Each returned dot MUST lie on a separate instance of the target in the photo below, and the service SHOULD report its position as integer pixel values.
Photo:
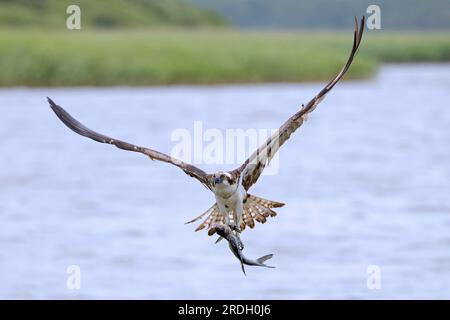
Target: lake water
(366, 182)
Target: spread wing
(252, 168)
(79, 128)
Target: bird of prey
(234, 206)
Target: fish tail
(263, 259)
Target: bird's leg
(238, 216)
(233, 226)
(226, 216)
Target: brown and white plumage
(255, 208)
(234, 206)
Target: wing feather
(252, 168)
(79, 128)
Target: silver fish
(236, 246)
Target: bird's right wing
(252, 168)
(79, 128)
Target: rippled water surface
(366, 182)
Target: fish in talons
(236, 246)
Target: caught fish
(236, 246)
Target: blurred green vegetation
(154, 42)
(105, 14)
(405, 15)
(166, 57)
(143, 57)
(409, 47)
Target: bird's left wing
(79, 128)
(252, 168)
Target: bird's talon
(232, 226)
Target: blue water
(366, 182)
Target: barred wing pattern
(79, 128)
(252, 168)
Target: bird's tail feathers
(255, 208)
(259, 209)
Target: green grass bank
(157, 57)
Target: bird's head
(223, 178)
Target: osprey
(234, 206)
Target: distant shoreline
(161, 57)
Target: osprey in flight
(234, 206)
